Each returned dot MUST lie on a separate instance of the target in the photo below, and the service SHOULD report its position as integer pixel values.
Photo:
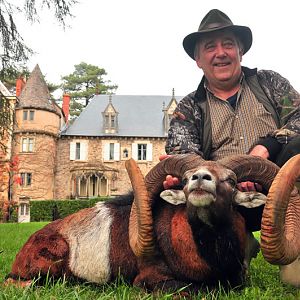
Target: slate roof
(35, 93)
(138, 116)
(4, 91)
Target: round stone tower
(37, 123)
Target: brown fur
(46, 251)
(125, 262)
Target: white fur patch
(174, 197)
(250, 199)
(89, 242)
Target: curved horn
(141, 225)
(280, 235)
(256, 169)
(251, 168)
(175, 165)
(141, 222)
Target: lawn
(263, 282)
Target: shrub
(49, 210)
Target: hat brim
(243, 33)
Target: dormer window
(110, 118)
(112, 121)
(106, 124)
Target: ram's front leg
(155, 275)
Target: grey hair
(196, 49)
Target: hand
(248, 186)
(164, 156)
(261, 151)
(170, 180)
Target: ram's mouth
(201, 197)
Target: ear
(198, 63)
(174, 197)
(250, 199)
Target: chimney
(66, 106)
(19, 85)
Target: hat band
(214, 25)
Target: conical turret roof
(35, 93)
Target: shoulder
(276, 84)
(188, 101)
(271, 77)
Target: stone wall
(40, 163)
(95, 161)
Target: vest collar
(200, 95)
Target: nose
(202, 176)
(220, 50)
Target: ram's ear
(250, 199)
(174, 197)
(251, 206)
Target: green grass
(263, 282)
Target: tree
(6, 119)
(86, 81)
(11, 76)
(13, 50)
(9, 205)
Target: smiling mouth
(222, 65)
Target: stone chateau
(48, 158)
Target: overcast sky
(139, 43)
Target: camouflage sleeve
(285, 98)
(184, 132)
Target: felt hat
(216, 20)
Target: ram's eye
(231, 181)
(184, 181)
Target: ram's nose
(202, 179)
(202, 176)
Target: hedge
(49, 210)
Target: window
(26, 179)
(25, 114)
(31, 115)
(28, 115)
(78, 150)
(27, 144)
(112, 121)
(111, 151)
(24, 209)
(107, 121)
(142, 151)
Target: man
(235, 110)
